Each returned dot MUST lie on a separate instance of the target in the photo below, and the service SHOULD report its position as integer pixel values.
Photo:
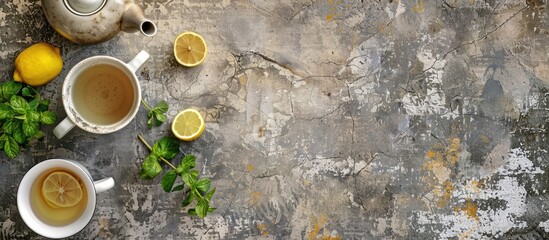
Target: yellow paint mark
(333, 12)
(474, 186)
(261, 132)
(330, 237)
(243, 80)
(445, 194)
(419, 7)
(318, 224)
(250, 167)
(484, 139)
(255, 197)
(263, 229)
(470, 209)
(431, 154)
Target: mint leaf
(167, 147)
(39, 135)
(188, 200)
(168, 180)
(19, 104)
(8, 89)
(30, 128)
(11, 147)
(210, 194)
(178, 188)
(47, 117)
(203, 185)
(162, 107)
(190, 178)
(160, 118)
(11, 126)
(150, 167)
(5, 111)
(192, 211)
(28, 91)
(19, 136)
(187, 163)
(43, 105)
(32, 115)
(202, 208)
(151, 118)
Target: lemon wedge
(61, 189)
(190, 49)
(188, 125)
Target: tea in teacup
(103, 94)
(58, 197)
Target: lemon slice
(61, 189)
(188, 125)
(189, 49)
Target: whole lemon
(38, 64)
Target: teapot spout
(133, 20)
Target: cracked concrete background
(326, 119)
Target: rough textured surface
(325, 119)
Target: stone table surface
(325, 119)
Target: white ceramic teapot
(95, 21)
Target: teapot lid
(84, 7)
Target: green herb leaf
(167, 147)
(11, 126)
(8, 89)
(43, 105)
(47, 117)
(178, 188)
(11, 147)
(19, 136)
(156, 115)
(150, 167)
(160, 118)
(162, 107)
(30, 128)
(210, 194)
(192, 212)
(5, 111)
(19, 104)
(150, 121)
(32, 115)
(188, 200)
(168, 180)
(187, 163)
(203, 185)
(211, 209)
(190, 178)
(39, 135)
(202, 208)
(28, 91)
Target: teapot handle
(138, 60)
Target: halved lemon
(61, 189)
(190, 49)
(188, 125)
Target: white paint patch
(434, 100)
(544, 226)
(315, 168)
(507, 190)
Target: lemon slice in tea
(188, 125)
(61, 189)
(190, 49)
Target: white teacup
(28, 207)
(101, 94)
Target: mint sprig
(198, 189)
(22, 112)
(156, 115)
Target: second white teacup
(101, 94)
